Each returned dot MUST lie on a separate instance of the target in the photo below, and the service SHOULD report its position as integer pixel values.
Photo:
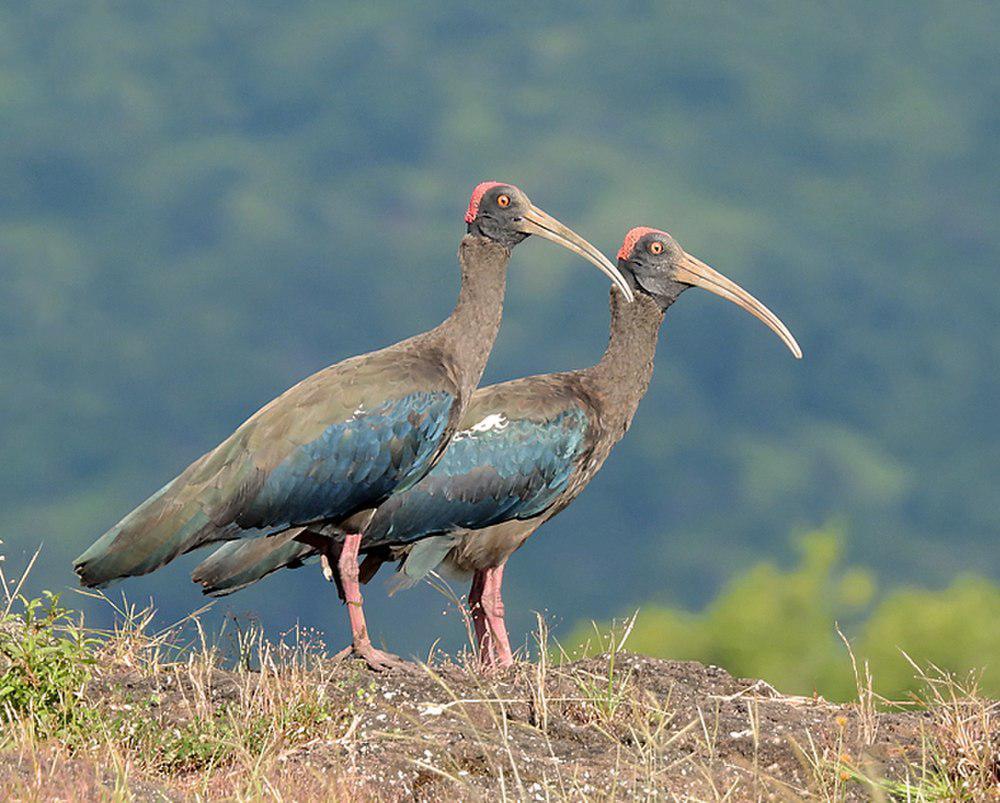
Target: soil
(664, 730)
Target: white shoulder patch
(494, 421)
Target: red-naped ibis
(329, 451)
(524, 450)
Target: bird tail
(156, 532)
(424, 557)
(241, 563)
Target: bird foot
(492, 667)
(377, 660)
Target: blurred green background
(202, 203)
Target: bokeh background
(201, 204)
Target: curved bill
(695, 272)
(535, 221)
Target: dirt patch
(651, 728)
(642, 728)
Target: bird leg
(347, 573)
(478, 614)
(488, 617)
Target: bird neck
(622, 376)
(469, 332)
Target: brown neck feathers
(469, 332)
(621, 378)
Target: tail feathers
(424, 557)
(156, 532)
(371, 564)
(239, 564)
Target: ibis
(524, 450)
(320, 460)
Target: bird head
(658, 267)
(503, 213)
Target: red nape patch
(477, 196)
(632, 238)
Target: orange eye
(656, 247)
(503, 201)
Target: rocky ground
(624, 728)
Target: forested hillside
(200, 204)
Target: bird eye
(655, 247)
(503, 201)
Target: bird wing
(338, 442)
(511, 458)
(237, 564)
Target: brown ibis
(322, 457)
(524, 450)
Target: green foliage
(780, 625)
(45, 660)
(956, 628)
(604, 695)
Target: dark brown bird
(524, 450)
(327, 453)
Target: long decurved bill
(535, 221)
(694, 271)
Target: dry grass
(162, 714)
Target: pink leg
(347, 571)
(486, 600)
(478, 614)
